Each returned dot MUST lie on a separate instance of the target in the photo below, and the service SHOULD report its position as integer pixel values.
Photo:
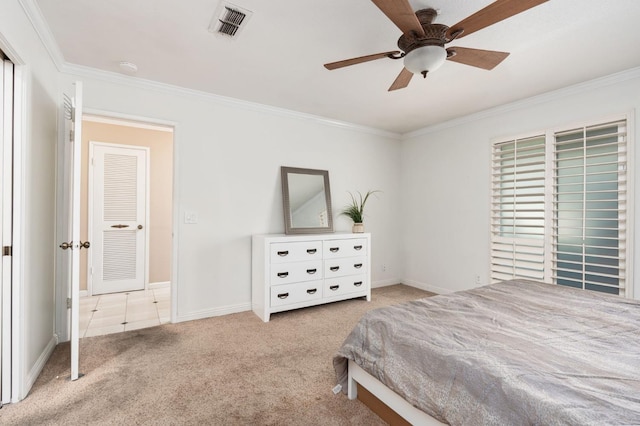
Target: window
(559, 208)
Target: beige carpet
(229, 370)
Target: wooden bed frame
(387, 404)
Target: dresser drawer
(345, 248)
(346, 266)
(285, 273)
(288, 294)
(296, 252)
(344, 285)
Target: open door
(6, 224)
(72, 244)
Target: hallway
(118, 312)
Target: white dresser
(296, 271)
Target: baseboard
(385, 283)
(150, 286)
(159, 284)
(426, 287)
(215, 312)
(38, 366)
(242, 307)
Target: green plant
(355, 210)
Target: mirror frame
(286, 201)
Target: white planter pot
(358, 228)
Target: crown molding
(38, 22)
(41, 27)
(140, 83)
(596, 83)
(33, 12)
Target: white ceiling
(277, 58)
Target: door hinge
(71, 135)
(7, 251)
(68, 303)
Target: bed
(515, 352)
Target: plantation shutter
(590, 244)
(518, 209)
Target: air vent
(228, 20)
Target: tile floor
(118, 312)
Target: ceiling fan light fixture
(425, 59)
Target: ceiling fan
(422, 42)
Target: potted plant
(355, 210)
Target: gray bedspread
(512, 353)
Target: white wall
(35, 278)
(446, 178)
(228, 159)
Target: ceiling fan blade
(401, 13)
(402, 80)
(495, 12)
(361, 59)
(486, 59)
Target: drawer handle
(312, 251)
(334, 287)
(334, 268)
(334, 249)
(357, 265)
(357, 247)
(283, 295)
(358, 283)
(283, 274)
(283, 253)
(312, 290)
(311, 271)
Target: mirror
(306, 198)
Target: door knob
(86, 244)
(139, 226)
(65, 246)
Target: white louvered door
(119, 194)
(72, 104)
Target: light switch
(190, 217)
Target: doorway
(125, 278)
